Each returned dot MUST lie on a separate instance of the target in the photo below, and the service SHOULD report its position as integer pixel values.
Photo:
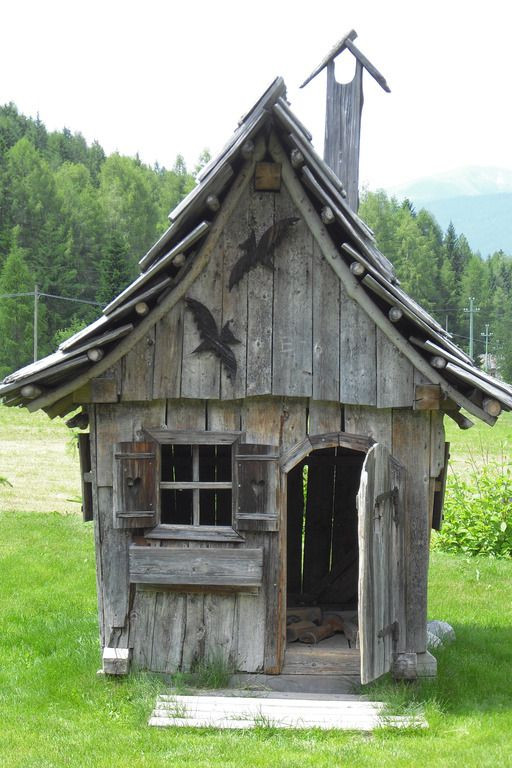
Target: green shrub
(478, 512)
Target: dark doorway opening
(322, 547)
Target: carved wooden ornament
(211, 339)
(261, 252)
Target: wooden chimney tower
(344, 105)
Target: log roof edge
(170, 260)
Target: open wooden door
(381, 602)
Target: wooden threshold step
(252, 712)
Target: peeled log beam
(95, 354)
(297, 158)
(491, 406)
(477, 380)
(335, 51)
(357, 269)
(213, 203)
(30, 391)
(460, 419)
(285, 108)
(327, 215)
(247, 149)
(373, 71)
(395, 314)
(142, 308)
(436, 361)
(80, 421)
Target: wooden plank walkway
(278, 710)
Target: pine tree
(16, 312)
(114, 269)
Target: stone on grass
(433, 641)
(442, 630)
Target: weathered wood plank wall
(300, 334)
(309, 361)
(172, 629)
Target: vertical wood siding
(300, 334)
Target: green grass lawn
(55, 711)
(480, 444)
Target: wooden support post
(116, 661)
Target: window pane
(214, 463)
(176, 507)
(215, 507)
(207, 507)
(207, 462)
(224, 463)
(177, 463)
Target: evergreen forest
(74, 222)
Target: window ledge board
(195, 533)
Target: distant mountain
(463, 182)
(477, 200)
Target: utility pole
(472, 310)
(37, 294)
(36, 309)
(486, 334)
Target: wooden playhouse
(262, 426)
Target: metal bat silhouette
(261, 252)
(211, 339)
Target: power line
(50, 296)
(36, 293)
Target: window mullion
(195, 478)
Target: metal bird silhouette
(211, 340)
(261, 252)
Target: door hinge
(391, 629)
(393, 495)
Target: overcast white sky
(160, 78)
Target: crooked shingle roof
(172, 256)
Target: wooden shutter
(256, 486)
(135, 485)
(84, 453)
(381, 563)
(439, 491)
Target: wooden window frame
(195, 530)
